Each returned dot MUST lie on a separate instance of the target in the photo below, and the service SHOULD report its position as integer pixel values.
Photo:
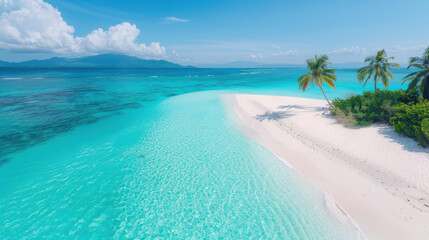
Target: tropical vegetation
(319, 74)
(407, 111)
(372, 107)
(378, 69)
(420, 79)
(412, 120)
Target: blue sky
(200, 32)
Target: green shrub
(347, 120)
(372, 107)
(410, 96)
(425, 128)
(412, 120)
(408, 114)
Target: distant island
(251, 64)
(111, 60)
(97, 61)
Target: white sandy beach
(377, 177)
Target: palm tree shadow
(291, 106)
(407, 143)
(301, 107)
(272, 115)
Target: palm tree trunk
(330, 104)
(375, 81)
(424, 89)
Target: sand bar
(377, 177)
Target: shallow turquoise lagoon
(138, 154)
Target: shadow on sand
(277, 115)
(407, 143)
(301, 107)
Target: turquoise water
(150, 153)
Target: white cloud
(409, 48)
(176, 57)
(34, 25)
(286, 53)
(175, 53)
(175, 19)
(256, 56)
(350, 50)
(120, 38)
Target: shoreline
(378, 178)
(329, 201)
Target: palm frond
(306, 84)
(410, 76)
(419, 79)
(329, 81)
(414, 82)
(303, 81)
(414, 79)
(362, 72)
(392, 65)
(384, 75)
(319, 73)
(378, 68)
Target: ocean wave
(11, 78)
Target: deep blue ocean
(138, 153)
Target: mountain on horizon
(108, 60)
(250, 64)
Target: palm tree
(421, 77)
(378, 67)
(318, 74)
